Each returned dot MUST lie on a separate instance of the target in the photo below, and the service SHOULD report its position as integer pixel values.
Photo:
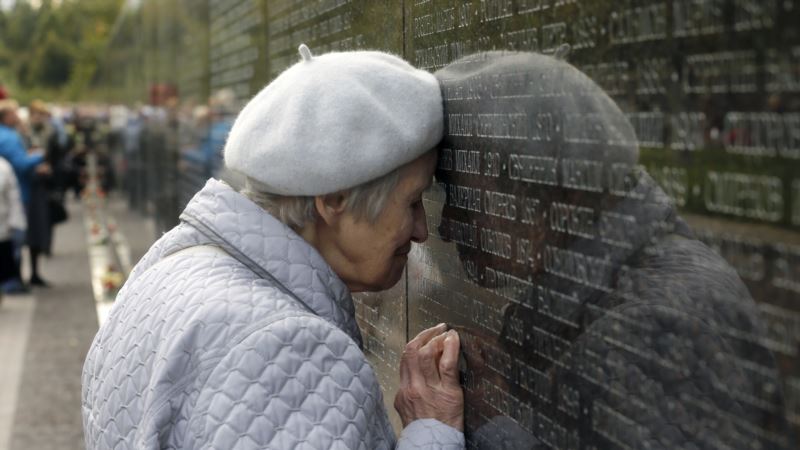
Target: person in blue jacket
(13, 150)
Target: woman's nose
(420, 233)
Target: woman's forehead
(419, 173)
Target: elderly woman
(237, 328)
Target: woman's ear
(330, 207)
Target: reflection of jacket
(673, 354)
(12, 216)
(619, 328)
(215, 348)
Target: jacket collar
(272, 250)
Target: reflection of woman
(620, 328)
(237, 329)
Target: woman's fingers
(410, 368)
(429, 356)
(448, 363)
(429, 386)
(405, 371)
(426, 335)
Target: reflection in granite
(236, 51)
(381, 317)
(591, 315)
(330, 25)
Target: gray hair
(365, 201)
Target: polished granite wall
(571, 201)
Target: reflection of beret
(548, 108)
(335, 121)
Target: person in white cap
(237, 330)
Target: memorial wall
(615, 220)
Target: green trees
(52, 49)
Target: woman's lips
(404, 250)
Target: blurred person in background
(45, 207)
(222, 106)
(131, 147)
(84, 138)
(12, 222)
(48, 132)
(25, 165)
(103, 141)
(117, 120)
(194, 130)
(212, 124)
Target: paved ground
(44, 337)
(15, 320)
(139, 233)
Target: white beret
(335, 121)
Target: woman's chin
(391, 281)
(387, 279)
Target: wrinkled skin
(429, 386)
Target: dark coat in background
(46, 205)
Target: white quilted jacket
(12, 214)
(233, 333)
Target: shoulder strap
(195, 250)
(233, 252)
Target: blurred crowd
(159, 154)
(164, 152)
(40, 159)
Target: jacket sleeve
(16, 155)
(297, 381)
(430, 434)
(301, 382)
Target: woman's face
(10, 118)
(373, 255)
